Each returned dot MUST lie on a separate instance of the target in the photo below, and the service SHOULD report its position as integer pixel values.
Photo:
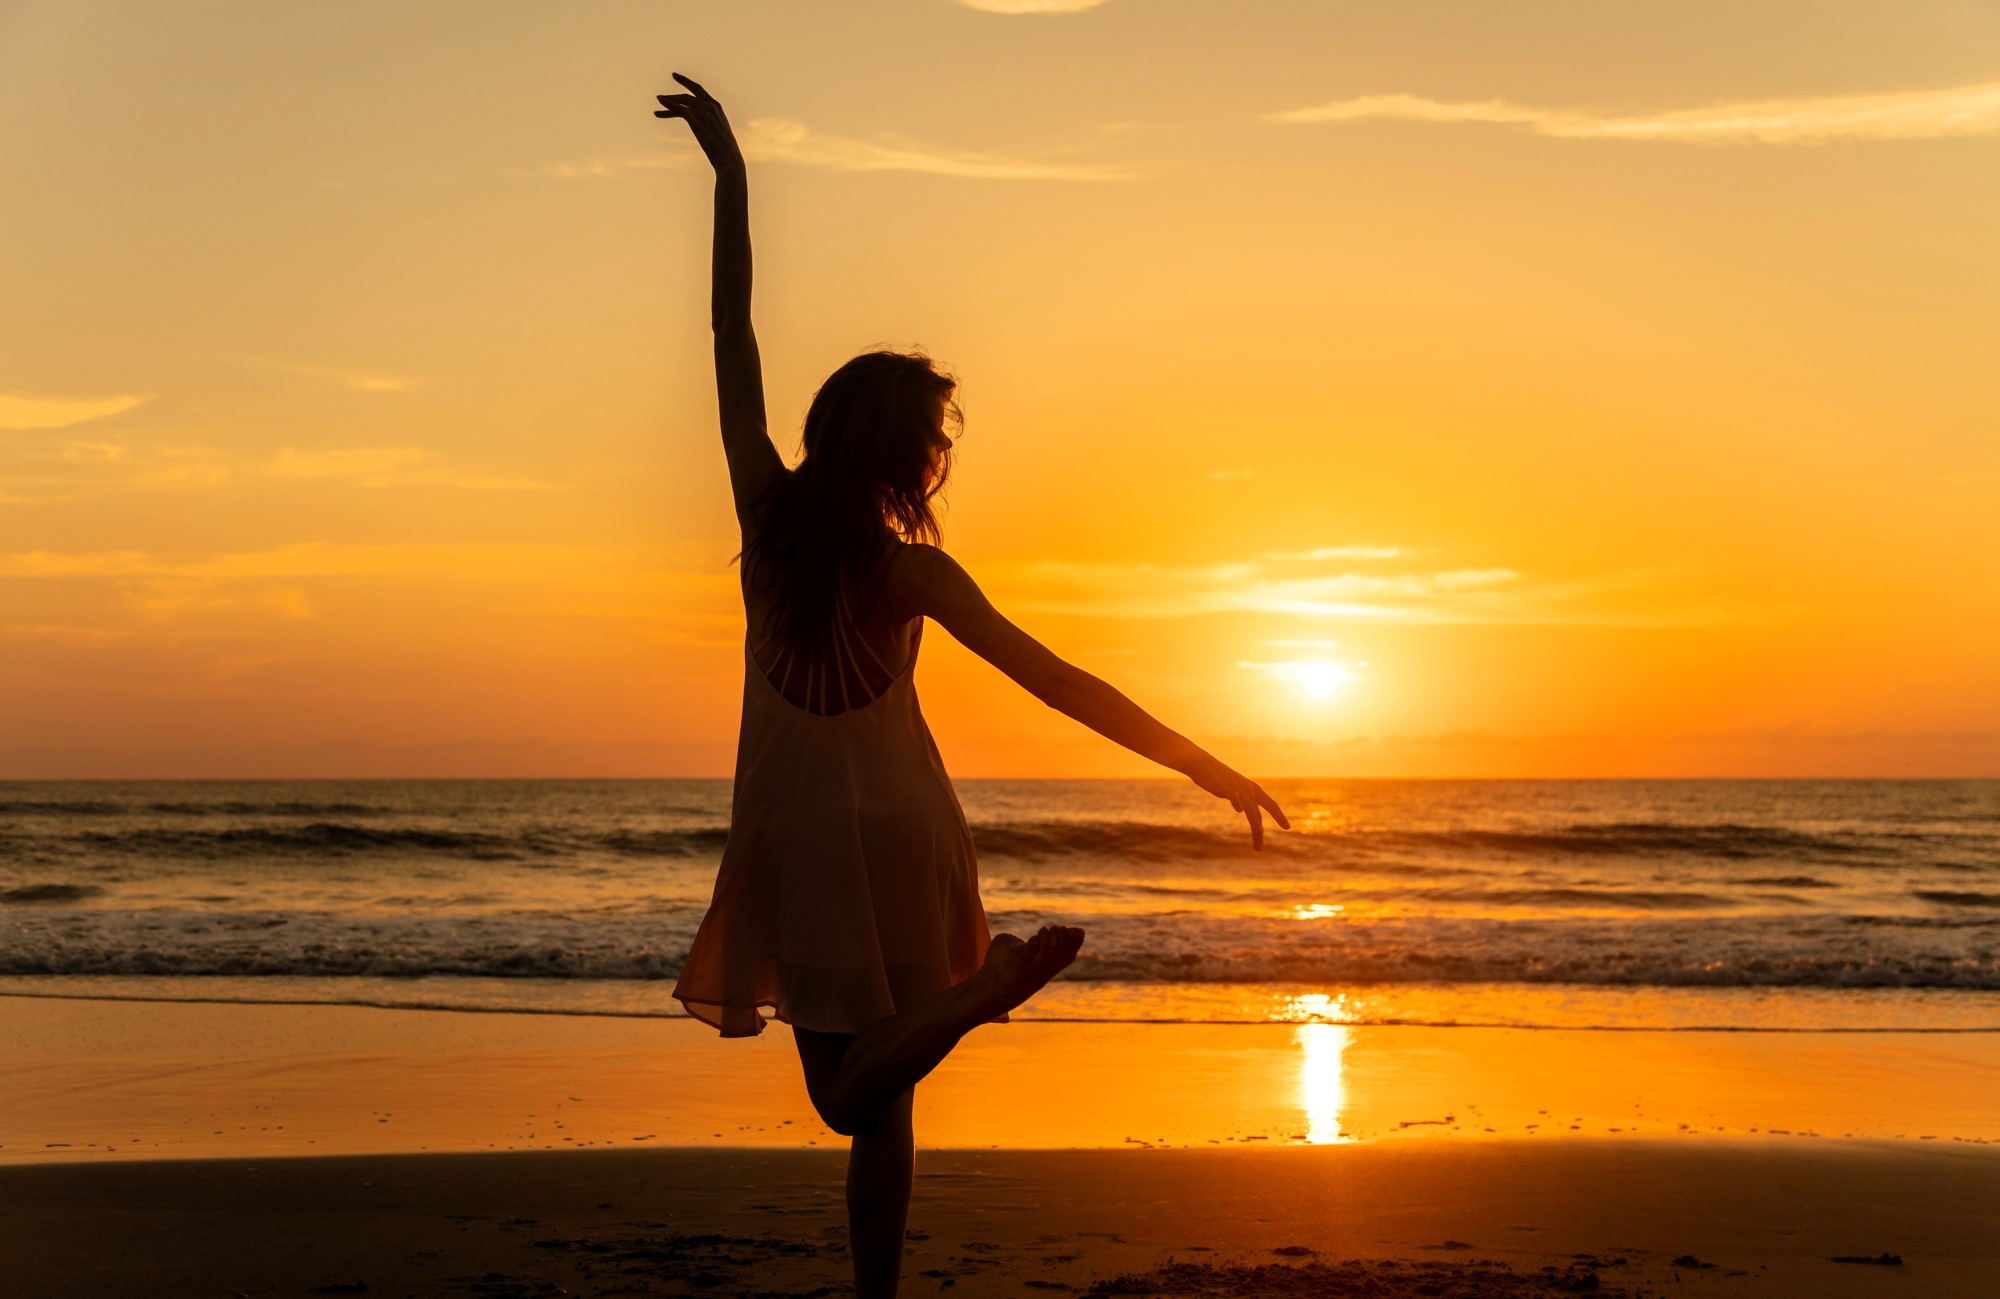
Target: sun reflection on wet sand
(152, 1080)
(1322, 1082)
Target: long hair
(876, 456)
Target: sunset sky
(1472, 389)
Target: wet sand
(119, 1080)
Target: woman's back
(864, 643)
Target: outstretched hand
(705, 118)
(1243, 793)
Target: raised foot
(1016, 970)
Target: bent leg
(852, 1078)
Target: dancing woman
(847, 900)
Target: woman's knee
(834, 1108)
(820, 1057)
(887, 1123)
(849, 1116)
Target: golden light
(1322, 1081)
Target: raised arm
(925, 580)
(754, 465)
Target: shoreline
(596, 1013)
(1528, 1006)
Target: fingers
(1252, 801)
(695, 86)
(704, 111)
(705, 118)
(1244, 796)
(1271, 804)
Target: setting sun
(1319, 678)
(1323, 678)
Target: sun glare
(1319, 678)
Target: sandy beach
(200, 1149)
(1486, 1218)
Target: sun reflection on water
(1322, 1082)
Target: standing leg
(881, 1165)
(863, 1086)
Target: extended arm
(927, 581)
(754, 465)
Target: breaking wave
(1026, 840)
(1819, 952)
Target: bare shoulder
(927, 582)
(922, 579)
(918, 561)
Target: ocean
(1750, 905)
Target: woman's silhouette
(847, 900)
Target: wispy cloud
(1031, 6)
(1899, 115)
(599, 167)
(312, 560)
(74, 471)
(77, 470)
(176, 599)
(1324, 585)
(1343, 552)
(21, 411)
(375, 466)
(356, 379)
(150, 595)
(1264, 586)
(160, 597)
(384, 467)
(777, 139)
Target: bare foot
(1016, 970)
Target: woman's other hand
(705, 118)
(1243, 793)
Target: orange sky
(1577, 389)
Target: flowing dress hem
(745, 1021)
